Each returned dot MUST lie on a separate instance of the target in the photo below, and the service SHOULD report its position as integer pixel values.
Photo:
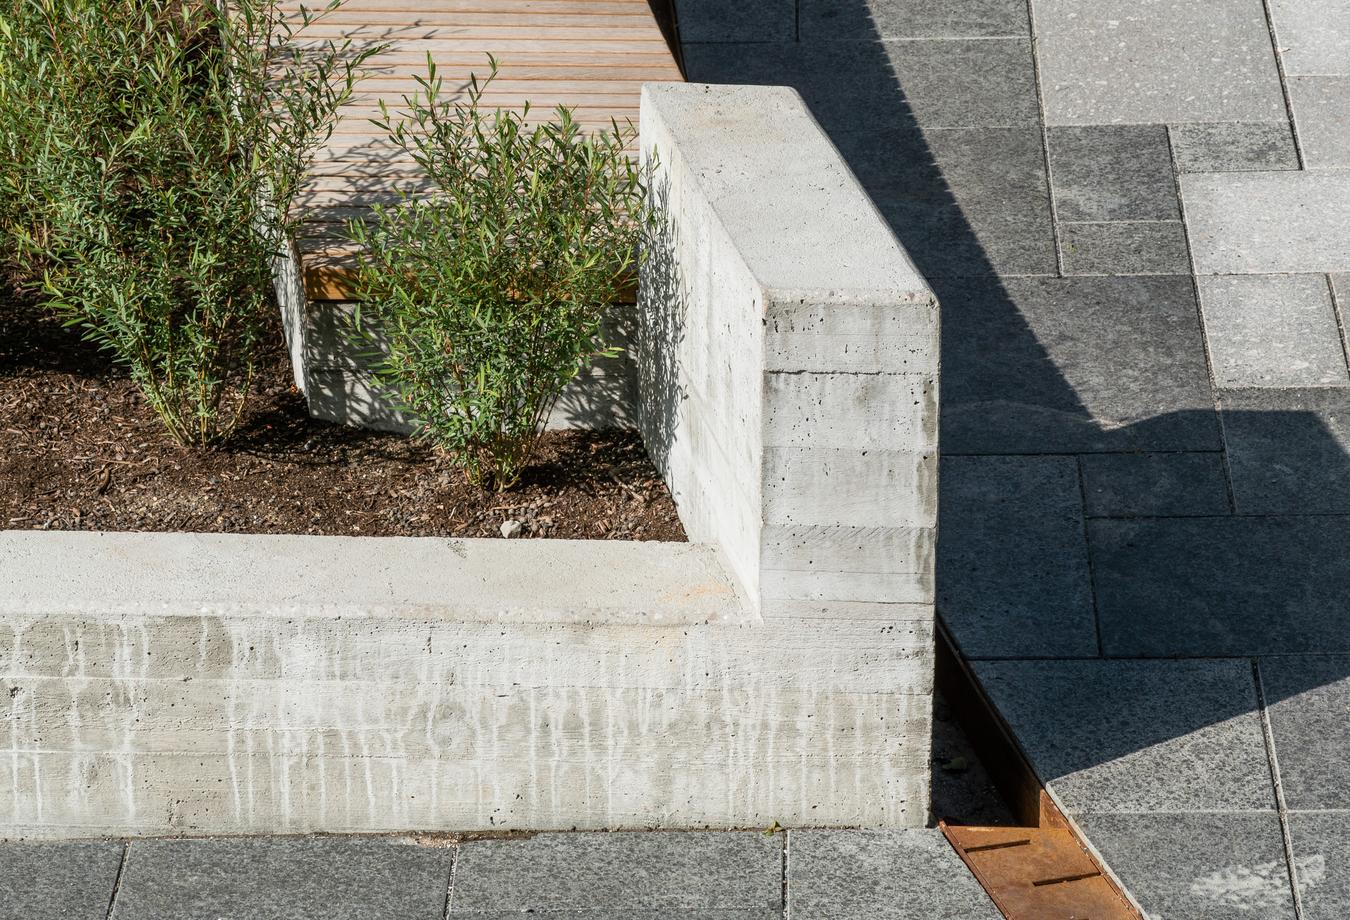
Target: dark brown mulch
(80, 450)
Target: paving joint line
(450, 882)
(1281, 806)
(117, 880)
(786, 855)
(1087, 552)
(1284, 85)
(1338, 312)
(1034, 46)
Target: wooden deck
(590, 55)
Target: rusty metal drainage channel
(1040, 869)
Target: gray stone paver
(323, 878)
(1221, 586)
(1321, 847)
(1268, 222)
(1152, 247)
(1229, 147)
(1153, 485)
(743, 21)
(639, 871)
(1171, 61)
(830, 20)
(1314, 35)
(1272, 331)
(1309, 704)
(1012, 562)
(1112, 172)
(1288, 449)
(57, 881)
(1138, 736)
(1322, 116)
(1198, 866)
(881, 875)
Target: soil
(81, 450)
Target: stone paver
(1124, 248)
(1062, 365)
(1221, 586)
(1138, 736)
(1113, 172)
(1309, 703)
(622, 871)
(1322, 116)
(300, 878)
(1288, 450)
(1198, 866)
(743, 21)
(1272, 331)
(1151, 485)
(1012, 562)
(1321, 846)
(1268, 222)
(57, 881)
(881, 875)
(1167, 61)
(1314, 35)
(1227, 147)
(830, 20)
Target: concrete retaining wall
(788, 354)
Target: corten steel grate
(1040, 869)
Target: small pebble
(511, 529)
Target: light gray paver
(1197, 866)
(301, 878)
(1313, 35)
(1340, 291)
(1150, 485)
(1322, 115)
(1170, 61)
(1222, 586)
(1151, 247)
(57, 881)
(1272, 331)
(1288, 450)
(867, 20)
(1308, 699)
(1321, 846)
(638, 871)
(1059, 365)
(1112, 172)
(1233, 147)
(881, 875)
(1012, 564)
(743, 21)
(1268, 222)
(1138, 736)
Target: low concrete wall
(788, 354)
(222, 702)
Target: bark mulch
(80, 450)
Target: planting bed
(82, 451)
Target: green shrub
(482, 300)
(155, 150)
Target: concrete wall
(788, 355)
(229, 688)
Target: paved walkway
(1133, 215)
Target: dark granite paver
(57, 881)
(1308, 698)
(1222, 586)
(1151, 485)
(831, 20)
(1012, 562)
(1227, 147)
(1138, 736)
(1113, 173)
(1150, 247)
(1198, 866)
(1321, 847)
(1066, 365)
(881, 875)
(1287, 449)
(621, 871)
(298, 878)
(742, 21)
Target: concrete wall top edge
(470, 580)
(799, 218)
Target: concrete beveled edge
(858, 261)
(593, 582)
